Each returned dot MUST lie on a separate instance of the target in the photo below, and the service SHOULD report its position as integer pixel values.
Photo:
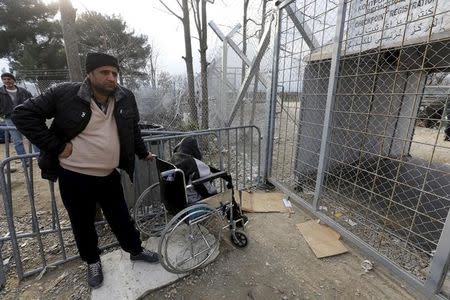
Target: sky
(150, 18)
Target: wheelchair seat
(172, 187)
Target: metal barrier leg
(2, 270)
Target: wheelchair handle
(169, 175)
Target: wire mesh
(386, 177)
(226, 76)
(36, 81)
(299, 123)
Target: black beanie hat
(95, 60)
(8, 75)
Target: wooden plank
(322, 240)
(263, 202)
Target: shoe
(146, 256)
(95, 275)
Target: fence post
(331, 96)
(7, 201)
(273, 97)
(2, 270)
(440, 262)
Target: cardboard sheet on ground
(322, 240)
(218, 199)
(263, 202)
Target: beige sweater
(96, 150)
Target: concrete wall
(373, 121)
(373, 109)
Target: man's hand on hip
(67, 151)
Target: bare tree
(165, 81)
(68, 14)
(185, 20)
(152, 64)
(202, 30)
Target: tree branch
(196, 11)
(253, 21)
(170, 10)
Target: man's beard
(102, 90)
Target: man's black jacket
(69, 105)
(6, 104)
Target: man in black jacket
(95, 130)
(10, 96)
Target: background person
(12, 95)
(447, 120)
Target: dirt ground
(278, 264)
(423, 145)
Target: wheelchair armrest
(222, 174)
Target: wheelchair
(192, 236)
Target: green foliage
(30, 38)
(34, 39)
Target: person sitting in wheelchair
(187, 157)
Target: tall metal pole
(441, 260)
(273, 97)
(68, 14)
(331, 96)
(223, 88)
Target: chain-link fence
(36, 81)
(238, 77)
(360, 137)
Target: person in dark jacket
(94, 131)
(10, 96)
(187, 157)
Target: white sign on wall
(391, 23)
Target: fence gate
(358, 134)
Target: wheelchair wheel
(190, 239)
(149, 213)
(239, 239)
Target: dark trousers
(80, 193)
